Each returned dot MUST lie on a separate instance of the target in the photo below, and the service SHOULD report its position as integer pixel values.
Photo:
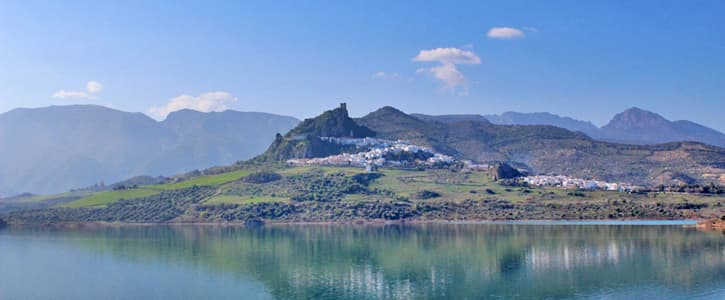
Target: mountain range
(53, 149)
(632, 126)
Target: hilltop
(306, 141)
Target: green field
(104, 198)
(209, 180)
(41, 198)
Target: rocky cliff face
(304, 141)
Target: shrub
(426, 194)
(262, 177)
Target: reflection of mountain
(431, 261)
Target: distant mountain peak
(635, 117)
(636, 125)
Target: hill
(552, 150)
(57, 148)
(306, 141)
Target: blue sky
(584, 59)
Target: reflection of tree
(429, 261)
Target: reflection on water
(462, 261)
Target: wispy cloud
(385, 75)
(447, 72)
(92, 89)
(505, 33)
(207, 102)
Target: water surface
(432, 261)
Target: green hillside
(344, 194)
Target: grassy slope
(104, 198)
(209, 180)
(400, 183)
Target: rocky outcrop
(503, 171)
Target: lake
(428, 261)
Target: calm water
(434, 261)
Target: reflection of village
(380, 152)
(535, 261)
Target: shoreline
(699, 223)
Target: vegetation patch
(426, 194)
(105, 198)
(346, 194)
(208, 180)
(262, 177)
(232, 199)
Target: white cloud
(207, 102)
(384, 75)
(448, 55)
(505, 33)
(92, 88)
(447, 72)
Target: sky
(584, 59)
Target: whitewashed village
(380, 151)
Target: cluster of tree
(324, 187)
(120, 187)
(425, 195)
(513, 182)
(345, 211)
(183, 205)
(692, 188)
(262, 177)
